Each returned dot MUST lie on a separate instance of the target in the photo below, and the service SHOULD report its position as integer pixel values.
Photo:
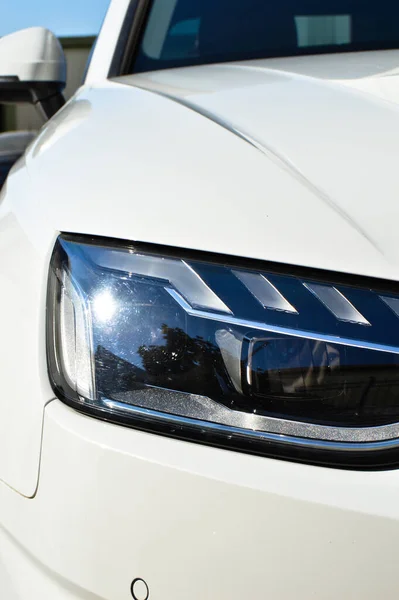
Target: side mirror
(32, 69)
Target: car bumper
(114, 504)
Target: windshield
(191, 32)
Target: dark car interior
(206, 31)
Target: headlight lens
(225, 353)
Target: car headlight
(226, 352)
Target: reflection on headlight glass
(145, 338)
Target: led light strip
(195, 296)
(223, 318)
(336, 303)
(264, 291)
(177, 272)
(393, 304)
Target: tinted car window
(190, 32)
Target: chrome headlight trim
(344, 440)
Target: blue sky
(63, 17)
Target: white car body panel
(280, 187)
(310, 180)
(23, 277)
(327, 132)
(279, 202)
(194, 522)
(106, 43)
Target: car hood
(290, 160)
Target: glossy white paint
(285, 204)
(25, 385)
(332, 128)
(114, 504)
(310, 180)
(106, 42)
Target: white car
(199, 307)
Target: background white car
(199, 307)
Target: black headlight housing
(239, 354)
